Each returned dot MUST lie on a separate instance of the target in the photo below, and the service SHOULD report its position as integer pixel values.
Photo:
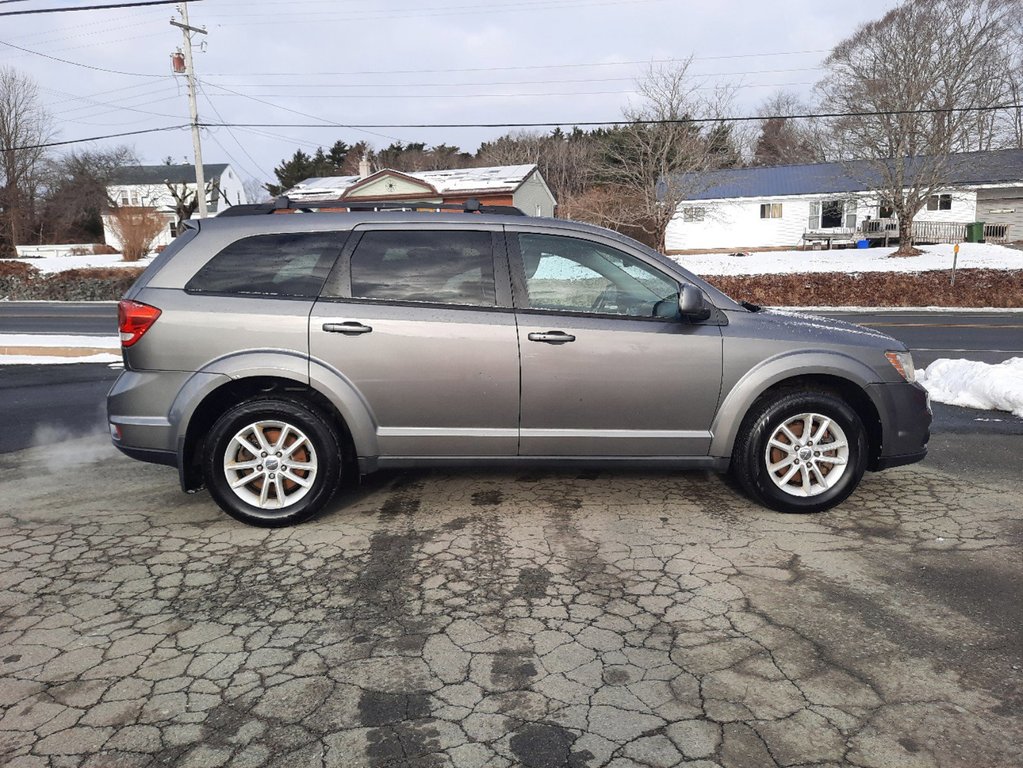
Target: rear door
(419, 319)
(608, 367)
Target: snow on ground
(57, 340)
(64, 263)
(58, 359)
(971, 256)
(972, 384)
(13, 347)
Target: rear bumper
(168, 458)
(905, 412)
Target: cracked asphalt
(539, 619)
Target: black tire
(750, 455)
(314, 450)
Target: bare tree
(565, 160)
(76, 193)
(255, 190)
(660, 156)
(24, 125)
(186, 200)
(922, 68)
(785, 141)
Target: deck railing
(924, 232)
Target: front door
(608, 367)
(414, 319)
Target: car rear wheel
(800, 451)
(272, 462)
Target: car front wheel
(272, 462)
(801, 452)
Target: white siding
(964, 209)
(736, 223)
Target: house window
(770, 210)
(124, 200)
(696, 213)
(832, 212)
(939, 203)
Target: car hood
(829, 330)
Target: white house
(150, 186)
(786, 206)
(522, 186)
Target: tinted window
(564, 273)
(445, 267)
(292, 264)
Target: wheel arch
(332, 397)
(849, 383)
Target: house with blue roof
(795, 205)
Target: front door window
(571, 275)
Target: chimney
(364, 169)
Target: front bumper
(905, 413)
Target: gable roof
(970, 168)
(158, 174)
(460, 181)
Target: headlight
(903, 363)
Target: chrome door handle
(350, 328)
(552, 337)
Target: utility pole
(200, 176)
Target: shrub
(87, 284)
(17, 279)
(136, 228)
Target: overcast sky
(399, 61)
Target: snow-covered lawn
(971, 256)
(972, 384)
(64, 263)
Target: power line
(516, 95)
(547, 124)
(695, 75)
(296, 112)
(91, 7)
(79, 64)
(241, 146)
(278, 73)
(597, 123)
(99, 138)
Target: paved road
(445, 620)
(433, 619)
(59, 317)
(989, 336)
(46, 404)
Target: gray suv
(268, 356)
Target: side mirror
(691, 304)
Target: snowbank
(973, 384)
(853, 260)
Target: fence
(42, 251)
(929, 232)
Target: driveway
(540, 619)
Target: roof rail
(472, 205)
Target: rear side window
(293, 264)
(438, 266)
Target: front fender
(774, 370)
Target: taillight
(134, 319)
